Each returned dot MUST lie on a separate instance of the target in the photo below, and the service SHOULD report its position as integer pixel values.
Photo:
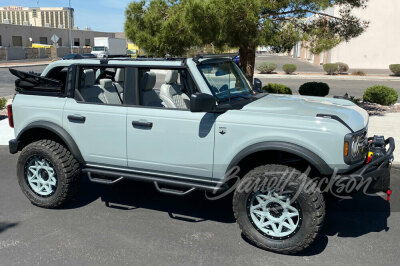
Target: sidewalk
(25, 63)
(321, 76)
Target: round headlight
(354, 146)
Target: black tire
(310, 203)
(66, 168)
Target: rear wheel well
(259, 158)
(35, 134)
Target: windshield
(98, 48)
(226, 80)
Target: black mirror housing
(202, 102)
(257, 85)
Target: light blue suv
(194, 124)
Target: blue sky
(100, 15)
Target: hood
(355, 117)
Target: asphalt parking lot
(132, 224)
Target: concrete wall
(15, 53)
(379, 46)
(8, 30)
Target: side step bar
(117, 176)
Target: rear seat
(93, 93)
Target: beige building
(51, 17)
(376, 48)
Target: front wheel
(278, 209)
(47, 173)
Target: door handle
(142, 124)
(76, 118)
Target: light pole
(70, 27)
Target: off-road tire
(311, 203)
(65, 165)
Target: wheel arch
(281, 148)
(38, 129)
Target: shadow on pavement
(5, 226)
(346, 218)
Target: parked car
(88, 56)
(72, 56)
(236, 59)
(205, 128)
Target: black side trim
(60, 132)
(304, 153)
(119, 175)
(335, 117)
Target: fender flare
(295, 149)
(60, 132)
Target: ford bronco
(194, 124)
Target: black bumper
(376, 174)
(13, 146)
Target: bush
(3, 102)
(266, 67)
(331, 69)
(314, 89)
(358, 73)
(342, 67)
(277, 88)
(395, 68)
(381, 95)
(289, 68)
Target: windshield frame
(240, 73)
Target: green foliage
(289, 68)
(314, 89)
(266, 67)
(381, 95)
(3, 102)
(395, 68)
(331, 69)
(350, 98)
(343, 67)
(175, 26)
(277, 88)
(358, 73)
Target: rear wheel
(47, 173)
(276, 210)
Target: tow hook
(388, 193)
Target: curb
(325, 77)
(25, 65)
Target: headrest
(89, 77)
(106, 83)
(171, 77)
(148, 81)
(119, 75)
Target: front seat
(148, 96)
(171, 93)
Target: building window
(47, 18)
(42, 17)
(0, 41)
(87, 42)
(59, 42)
(43, 40)
(76, 42)
(17, 41)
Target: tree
(172, 26)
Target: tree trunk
(248, 60)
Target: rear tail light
(10, 116)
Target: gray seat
(103, 93)
(119, 81)
(110, 92)
(148, 97)
(171, 93)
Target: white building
(51, 17)
(376, 48)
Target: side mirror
(257, 85)
(202, 102)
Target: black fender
(295, 149)
(60, 132)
